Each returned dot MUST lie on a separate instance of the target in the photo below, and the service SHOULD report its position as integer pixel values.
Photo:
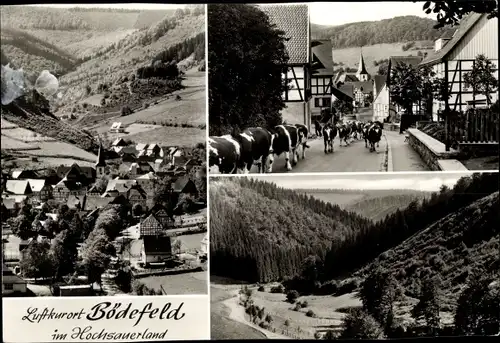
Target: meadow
(186, 283)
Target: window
(322, 102)
(9, 286)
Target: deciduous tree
(481, 78)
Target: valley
(297, 288)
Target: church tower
(101, 163)
(362, 74)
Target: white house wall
(381, 105)
(293, 93)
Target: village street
(356, 157)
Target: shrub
(360, 325)
(278, 289)
(311, 314)
(261, 289)
(304, 304)
(292, 296)
(297, 307)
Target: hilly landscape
(398, 36)
(438, 251)
(373, 204)
(142, 68)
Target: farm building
(11, 283)
(453, 57)
(117, 127)
(294, 21)
(321, 77)
(40, 189)
(185, 185)
(18, 187)
(156, 249)
(24, 174)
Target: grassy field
(350, 56)
(223, 327)
(171, 136)
(34, 144)
(188, 283)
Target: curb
(390, 167)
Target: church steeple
(100, 163)
(362, 74)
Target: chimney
(440, 43)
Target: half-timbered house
(454, 56)
(294, 21)
(321, 77)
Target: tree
(22, 227)
(247, 59)
(341, 107)
(100, 185)
(428, 305)
(481, 78)
(36, 261)
(97, 251)
(450, 12)
(64, 254)
(378, 294)
(478, 307)
(110, 221)
(358, 324)
(410, 85)
(165, 195)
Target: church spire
(100, 157)
(361, 68)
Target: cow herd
(236, 153)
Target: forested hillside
(394, 30)
(464, 242)
(377, 208)
(262, 232)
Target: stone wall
(429, 149)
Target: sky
(423, 181)
(338, 13)
(124, 6)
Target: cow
(374, 135)
(303, 133)
(366, 127)
(284, 139)
(255, 145)
(224, 154)
(344, 133)
(329, 133)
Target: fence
(475, 126)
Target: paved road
(352, 158)
(404, 158)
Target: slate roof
(96, 203)
(294, 21)
(121, 186)
(322, 50)
(119, 142)
(181, 183)
(378, 84)
(465, 25)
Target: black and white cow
(329, 133)
(366, 127)
(303, 133)
(344, 133)
(255, 145)
(374, 136)
(284, 139)
(224, 153)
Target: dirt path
(238, 314)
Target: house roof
(409, 60)
(322, 51)
(18, 187)
(148, 176)
(344, 93)
(141, 146)
(116, 125)
(294, 21)
(120, 185)
(119, 142)
(74, 201)
(367, 86)
(180, 183)
(378, 83)
(72, 186)
(138, 190)
(96, 203)
(24, 174)
(348, 90)
(36, 184)
(464, 27)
